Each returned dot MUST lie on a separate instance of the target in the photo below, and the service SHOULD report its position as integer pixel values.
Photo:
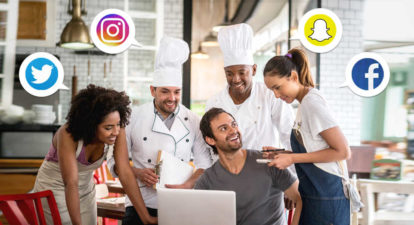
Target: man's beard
(227, 146)
(166, 109)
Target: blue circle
(364, 70)
(41, 74)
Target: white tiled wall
(173, 10)
(344, 103)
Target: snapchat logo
(320, 30)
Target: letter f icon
(371, 75)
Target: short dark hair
(205, 125)
(89, 108)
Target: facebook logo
(367, 74)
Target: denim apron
(324, 201)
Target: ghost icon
(320, 31)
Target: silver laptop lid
(196, 207)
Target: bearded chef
(163, 124)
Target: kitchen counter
(17, 176)
(21, 127)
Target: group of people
(239, 122)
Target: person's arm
(66, 149)
(189, 183)
(202, 157)
(127, 178)
(293, 194)
(338, 150)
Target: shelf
(20, 127)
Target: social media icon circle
(320, 30)
(41, 74)
(367, 74)
(113, 31)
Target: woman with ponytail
(319, 146)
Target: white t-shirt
(313, 117)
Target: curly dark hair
(89, 108)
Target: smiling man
(163, 124)
(263, 119)
(259, 188)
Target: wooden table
(113, 212)
(115, 188)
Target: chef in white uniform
(263, 119)
(163, 124)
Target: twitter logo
(41, 74)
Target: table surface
(115, 187)
(115, 211)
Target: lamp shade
(75, 35)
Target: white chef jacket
(263, 119)
(146, 134)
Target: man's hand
(185, 185)
(146, 176)
(289, 204)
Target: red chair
(21, 208)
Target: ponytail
(283, 65)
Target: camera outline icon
(117, 23)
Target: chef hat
(236, 44)
(171, 55)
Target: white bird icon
(43, 75)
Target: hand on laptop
(146, 176)
(185, 185)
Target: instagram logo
(113, 31)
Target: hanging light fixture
(199, 54)
(210, 40)
(226, 21)
(75, 35)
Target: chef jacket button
(149, 160)
(145, 138)
(187, 140)
(182, 160)
(255, 121)
(185, 118)
(258, 107)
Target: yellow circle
(325, 32)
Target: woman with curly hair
(95, 119)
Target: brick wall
(345, 104)
(173, 10)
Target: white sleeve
(283, 119)
(201, 151)
(317, 115)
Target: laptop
(196, 207)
